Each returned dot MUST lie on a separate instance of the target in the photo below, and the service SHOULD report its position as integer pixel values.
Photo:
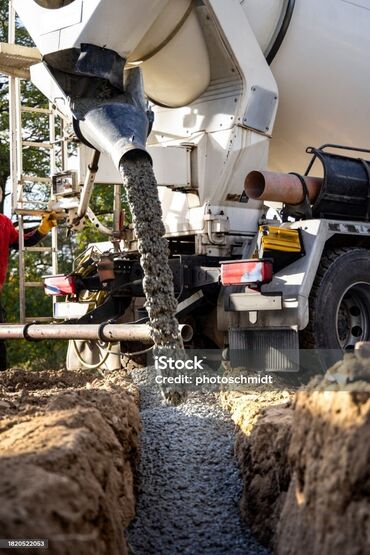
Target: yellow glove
(49, 221)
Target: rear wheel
(353, 317)
(340, 301)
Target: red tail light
(246, 272)
(59, 285)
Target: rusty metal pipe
(281, 187)
(103, 332)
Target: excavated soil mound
(306, 465)
(327, 508)
(69, 448)
(264, 465)
(264, 420)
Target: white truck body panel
(175, 75)
(321, 67)
(321, 70)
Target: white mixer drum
(164, 36)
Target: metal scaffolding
(15, 61)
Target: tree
(4, 120)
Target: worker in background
(9, 238)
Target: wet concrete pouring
(189, 482)
(142, 195)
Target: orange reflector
(246, 272)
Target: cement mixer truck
(224, 97)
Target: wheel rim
(353, 317)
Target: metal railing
(23, 206)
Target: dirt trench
(189, 484)
(305, 460)
(69, 470)
(264, 420)
(69, 449)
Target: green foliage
(31, 97)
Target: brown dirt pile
(306, 465)
(69, 447)
(246, 408)
(264, 421)
(264, 465)
(327, 509)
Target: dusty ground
(305, 461)
(327, 508)
(69, 447)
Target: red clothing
(8, 236)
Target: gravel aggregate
(189, 483)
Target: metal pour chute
(117, 120)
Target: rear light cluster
(60, 285)
(246, 272)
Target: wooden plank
(34, 284)
(36, 179)
(33, 110)
(35, 144)
(15, 60)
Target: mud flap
(264, 350)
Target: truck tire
(339, 304)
